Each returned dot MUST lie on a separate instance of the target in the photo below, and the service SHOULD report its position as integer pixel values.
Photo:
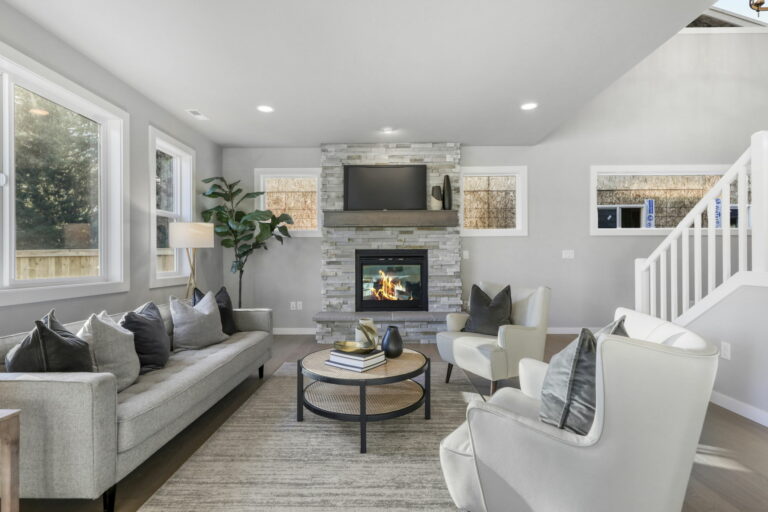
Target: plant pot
(392, 343)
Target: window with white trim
(63, 187)
(647, 199)
(295, 192)
(493, 201)
(172, 176)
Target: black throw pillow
(50, 347)
(225, 309)
(568, 391)
(153, 346)
(486, 315)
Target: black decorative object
(447, 193)
(436, 199)
(392, 343)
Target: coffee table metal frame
(363, 418)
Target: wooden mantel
(390, 218)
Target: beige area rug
(263, 459)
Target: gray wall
(24, 35)
(696, 100)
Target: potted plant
(240, 230)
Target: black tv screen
(385, 187)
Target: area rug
(263, 459)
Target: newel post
(759, 161)
(642, 286)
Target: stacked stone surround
(339, 244)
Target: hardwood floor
(730, 473)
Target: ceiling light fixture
(196, 114)
(265, 108)
(38, 112)
(758, 6)
(531, 105)
(387, 130)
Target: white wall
(29, 38)
(696, 100)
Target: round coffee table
(385, 392)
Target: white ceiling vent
(197, 114)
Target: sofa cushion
(198, 326)
(158, 397)
(150, 336)
(226, 312)
(50, 347)
(112, 348)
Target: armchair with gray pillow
(496, 357)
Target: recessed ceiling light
(197, 114)
(529, 106)
(387, 130)
(38, 112)
(265, 108)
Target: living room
(286, 255)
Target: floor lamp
(190, 236)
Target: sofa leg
(109, 499)
(493, 386)
(261, 371)
(448, 373)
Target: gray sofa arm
(254, 319)
(68, 432)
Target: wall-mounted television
(385, 187)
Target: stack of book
(356, 362)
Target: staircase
(691, 264)
(712, 277)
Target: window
(171, 168)
(295, 192)
(646, 200)
(493, 201)
(63, 187)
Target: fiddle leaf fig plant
(244, 231)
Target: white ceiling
(338, 70)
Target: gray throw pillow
(198, 326)
(112, 348)
(568, 391)
(150, 338)
(50, 347)
(486, 315)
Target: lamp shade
(190, 235)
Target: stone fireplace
(391, 280)
(347, 235)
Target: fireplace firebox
(391, 280)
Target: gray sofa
(79, 437)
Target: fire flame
(389, 288)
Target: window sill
(164, 282)
(493, 232)
(305, 234)
(18, 296)
(654, 231)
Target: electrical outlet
(293, 306)
(465, 255)
(569, 254)
(725, 350)
(299, 305)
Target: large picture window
(295, 192)
(171, 165)
(63, 187)
(493, 201)
(647, 200)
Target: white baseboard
(566, 330)
(293, 330)
(748, 411)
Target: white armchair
(496, 357)
(652, 397)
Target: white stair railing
(682, 271)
